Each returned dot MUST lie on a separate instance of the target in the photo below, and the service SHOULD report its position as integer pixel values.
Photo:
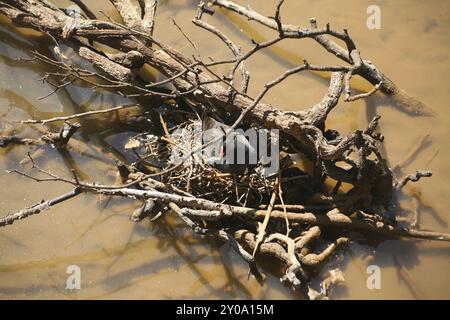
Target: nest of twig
(289, 191)
(197, 176)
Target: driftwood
(285, 230)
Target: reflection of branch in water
(6, 112)
(21, 103)
(120, 255)
(409, 214)
(435, 154)
(40, 69)
(30, 290)
(404, 275)
(102, 154)
(174, 242)
(424, 204)
(79, 146)
(10, 36)
(54, 285)
(415, 191)
(361, 260)
(72, 165)
(128, 248)
(232, 281)
(434, 251)
(97, 221)
(89, 258)
(412, 153)
(142, 269)
(14, 241)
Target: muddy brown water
(119, 259)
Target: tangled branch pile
(288, 216)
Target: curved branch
(367, 70)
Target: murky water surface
(119, 259)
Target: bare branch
(76, 116)
(413, 178)
(367, 70)
(37, 208)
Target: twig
(224, 236)
(192, 43)
(418, 145)
(350, 98)
(37, 208)
(149, 9)
(283, 205)
(262, 227)
(413, 178)
(332, 218)
(75, 116)
(245, 75)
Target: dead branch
(218, 211)
(197, 85)
(221, 234)
(367, 69)
(118, 71)
(284, 216)
(164, 61)
(37, 208)
(76, 116)
(245, 75)
(413, 178)
(130, 14)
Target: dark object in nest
(212, 172)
